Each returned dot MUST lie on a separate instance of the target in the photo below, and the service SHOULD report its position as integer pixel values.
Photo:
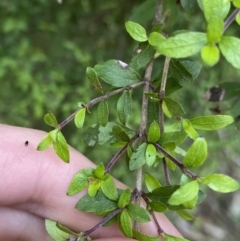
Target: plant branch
(120, 153)
(158, 12)
(98, 99)
(231, 18)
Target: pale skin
(33, 187)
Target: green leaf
(80, 117)
(193, 67)
(157, 206)
(153, 132)
(155, 38)
(210, 123)
(125, 224)
(210, 54)
(229, 47)
(103, 113)
(99, 204)
(173, 107)
(61, 148)
(191, 204)
(189, 6)
(144, 237)
(236, 3)
(215, 8)
(138, 157)
(120, 133)
(99, 171)
(220, 183)
(182, 45)
(136, 31)
(150, 154)
(196, 154)
(138, 213)
(51, 120)
(238, 19)
(55, 233)
(176, 137)
(168, 237)
(124, 108)
(46, 141)
(151, 182)
(187, 126)
(185, 215)
(184, 193)
(215, 30)
(67, 230)
(93, 188)
(109, 188)
(116, 74)
(80, 181)
(124, 198)
(142, 59)
(92, 77)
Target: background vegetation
(45, 48)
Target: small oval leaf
(124, 199)
(103, 113)
(187, 126)
(93, 78)
(138, 213)
(136, 31)
(61, 148)
(124, 107)
(210, 54)
(51, 120)
(151, 182)
(125, 224)
(153, 132)
(109, 188)
(150, 154)
(80, 117)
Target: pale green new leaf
(61, 148)
(125, 223)
(136, 31)
(185, 215)
(215, 30)
(99, 171)
(51, 120)
(138, 213)
(236, 3)
(187, 126)
(116, 73)
(155, 38)
(138, 157)
(212, 122)
(168, 237)
(153, 132)
(47, 141)
(157, 206)
(229, 47)
(144, 237)
(80, 181)
(151, 182)
(150, 154)
(176, 137)
(184, 193)
(109, 188)
(220, 183)
(124, 198)
(196, 154)
(173, 107)
(93, 188)
(210, 54)
(238, 19)
(80, 117)
(182, 45)
(124, 107)
(103, 113)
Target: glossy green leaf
(210, 123)
(120, 133)
(173, 106)
(138, 213)
(93, 78)
(176, 137)
(99, 171)
(189, 6)
(142, 59)
(215, 30)
(151, 182)
(47, 141)
(157, 206)
(210, 54)
(153, 132)
(155, 38)
(187, 126)
(99, 204)
(182, 45)
(236, 3)
(220, 183)
(150, 154)
(138, 157)
(93, 188)
(103, 113)
(125, 223)
(60, 147)
(109, 188)
(229, 47)
(80, 181)
(215, 8)
(51, 120)
(124, 198)
(185, 215)
(184, 193)
(116, 74)
(196, 154)
(80, 117)
(55, 233)
(144, 237)
(136, 31)
(124, 107)
(168, 237)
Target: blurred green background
(45, 48)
